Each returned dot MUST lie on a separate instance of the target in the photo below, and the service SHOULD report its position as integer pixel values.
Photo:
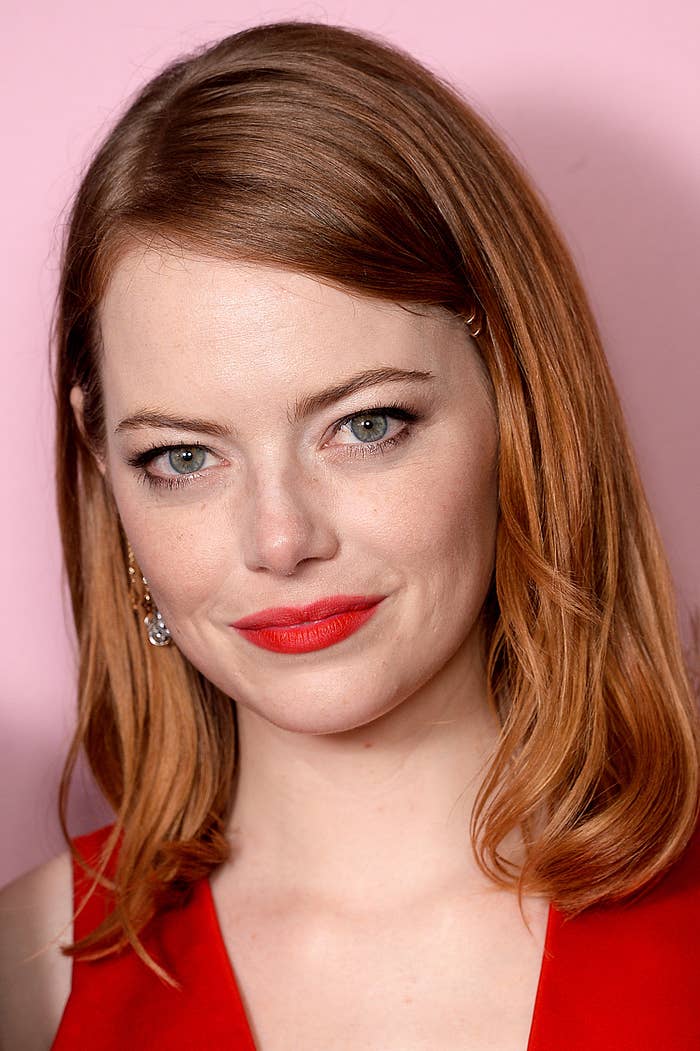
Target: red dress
(620, 978)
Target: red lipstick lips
(302, 629)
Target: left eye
(371, 426)
(186, 459)
(367, 426)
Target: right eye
(173, 465)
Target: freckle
(368, 744)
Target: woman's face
(256, 498)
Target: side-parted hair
(329, 152)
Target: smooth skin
(354, 912)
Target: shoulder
(635, 960)
(666, 914)
(624, 975)
(36, 916)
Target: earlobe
(77, 401)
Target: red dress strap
(118, 1002)
(626, 977)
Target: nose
(286, 520)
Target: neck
(379, 813)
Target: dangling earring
(156, 628)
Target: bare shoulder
(36, 916)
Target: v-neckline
(232, 982)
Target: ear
(77, 400)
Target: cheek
(178, 549)
(441, 517)
(470, 511)
(455, 547)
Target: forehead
(185, 324)
(198, 292)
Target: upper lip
(283, 616)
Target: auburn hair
(330, 152)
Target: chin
(332, 716)
(300, 713)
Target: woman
(363, 575)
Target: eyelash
(395, 410)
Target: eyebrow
(303, 407)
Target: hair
(330, 152)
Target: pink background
(599, 100)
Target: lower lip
(304, 638)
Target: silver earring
(158, 631)
(156, 628)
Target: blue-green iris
(366, 431)
(187, 459)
